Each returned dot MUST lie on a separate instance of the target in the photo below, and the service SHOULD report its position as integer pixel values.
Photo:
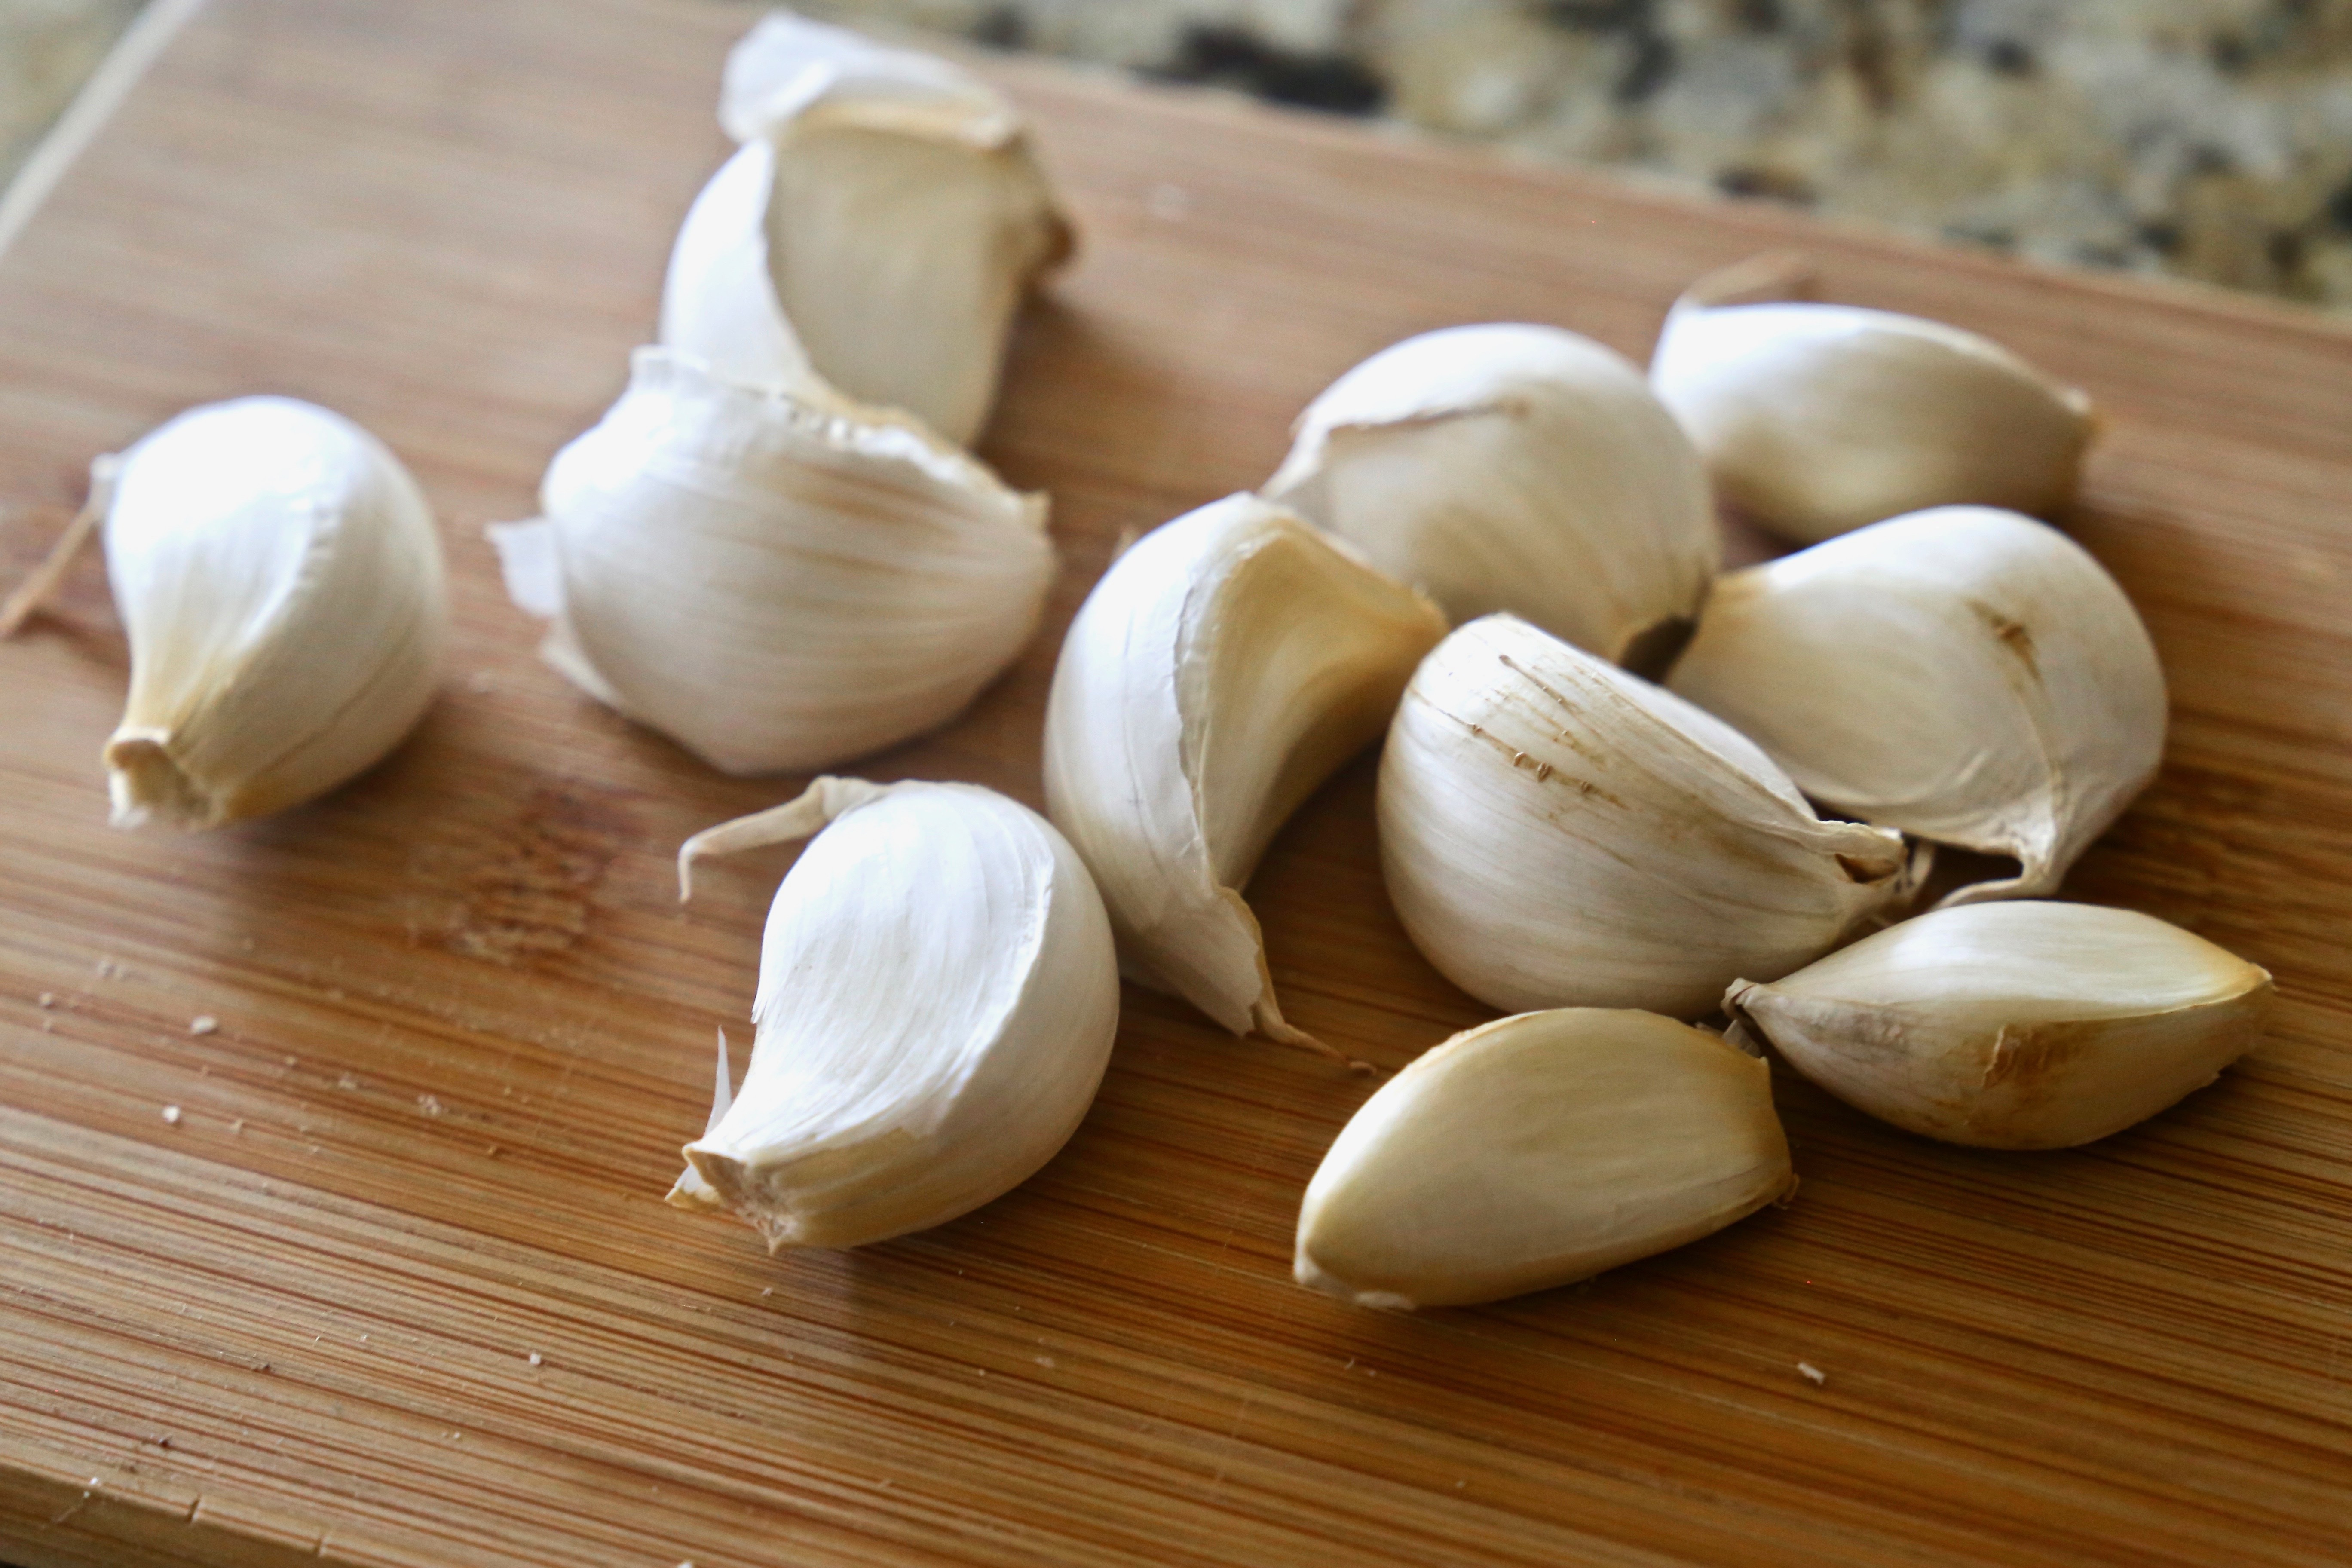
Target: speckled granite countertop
(2210, 139)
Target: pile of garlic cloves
(1670, 823)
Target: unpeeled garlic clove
(281, 584)
(1536, 1150)
(1817, 418)
(778, 581)
(1556, 832)
(1965, 675)
(880, 225)
(1221, 671)
(2014, 1025)
(1516, 467)
(938, 995)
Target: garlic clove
(281, 584)
(778, 581)
(1221, 671)
(2014, 1025)
(1818, 418)
(1514, 467)
(938, 997)
(719, 302)
(1965, 675)
(1539, 1150)
(879, 227)
(1556, 832)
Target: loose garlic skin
(1223, 668)
(1516, 467)
(938, 997)
(779, 582)
(1557, 833)
(2014, 1025)
(1965, 675)
(877, 228)
(1816, 419)
(1539, 1150)
(281, 584)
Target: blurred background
(2205, 139)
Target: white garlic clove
(938, 997)
(880, 225)
(778, 582)
(2014, 1025)
(1556, 832)
(1818, 418)
(1222, 669)
(1539, 1150)
(1514, 467)
(1965, 675)
(718, 303)
(280, 582)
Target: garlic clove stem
(33, 595)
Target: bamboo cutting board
(399, 1287)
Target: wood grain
(464, 1026)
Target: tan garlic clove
(879, 227)
(281, 581)
(1536, 1150)
(1965, 675)
(938, 995)
(1222, 669)
(1516, 467)
(1818, 418)
(778, 581)
(1556, 832)
(2014, 1025)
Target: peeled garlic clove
(1222, 669)
(777, 581)
(1536, 1150)
(1965, 675)
(938, 995)
(1514, 467)
(879, 224)
(1558, 833)
(2014, 1026)
(1815, 418)
(281, 584)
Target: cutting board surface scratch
(464, 1024)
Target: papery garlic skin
(1816, 418)
(281, 584)
(777, 581)
(1557, 833)
(1964, 674)
(938, 997)
(1509, 467)
(2014, 1025)
(1539, 1150)
(1221, 671)
(879, 227)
